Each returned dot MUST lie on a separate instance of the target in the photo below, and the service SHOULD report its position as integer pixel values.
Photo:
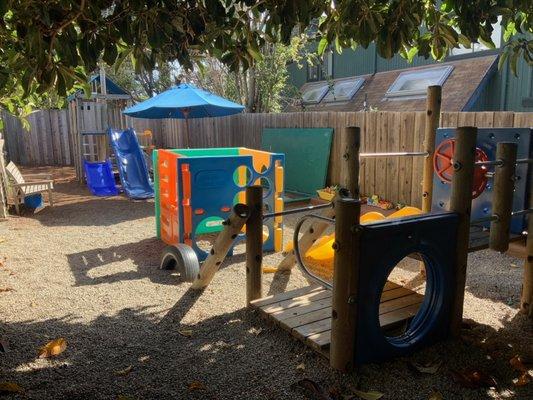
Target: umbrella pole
(187, 132)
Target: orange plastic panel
(168, 196)
(186, 204)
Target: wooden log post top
(351, 142)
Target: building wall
(503, 91)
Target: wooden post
(349, 167)
(254, 243)
(3, 183)
(502, 196)
(461, 203)
(232, 227)
(433, 102)
(345, 280)
(526, 301)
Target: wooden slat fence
(397, 179)
(49, 142)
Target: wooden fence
(397, 179)
(47, 142)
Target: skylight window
(415, 83)
(314, 92)
(344, 89)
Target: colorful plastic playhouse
(195, 190)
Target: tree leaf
(523, 379)
(322, 45)
(53, 348)
(125, 371)
(435, 396)
(196, 385)
(185, 332)
(429, 368)
(10, 388)
(370, 395)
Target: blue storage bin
(34, 200)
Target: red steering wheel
(443, 166)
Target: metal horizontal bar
(485, 163)
(524, 160)
(296, 210)
(522, 212)
(395, 154)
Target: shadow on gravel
(231, 356)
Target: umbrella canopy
(184, 101)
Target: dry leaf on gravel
(125, 371)
(474, 379)
(370, 395)
(196, 385)
(4, 346)
(124, 397)
(435, 396)
(311, 389)
(185, 332)
(427, 368)
(517, 363)
(53, 348)
(10, 388)
(6, 289)
(523, 379)
(300, 367)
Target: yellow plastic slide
(319, 257)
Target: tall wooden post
(254, 243)
(3, 182)
(461, 203)
(526, 302)
(433, 102)
(349, 178)
(502, 196)
(232, 227)
(345, 280)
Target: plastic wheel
(183, 259)
(443, 166)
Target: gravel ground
(86, 270)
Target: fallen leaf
(435, 396)
(196, 385)
(53, 348)
(516, 363)
(6, 289)
(125, 371)
(144, 358)
(124, 397)
(10, 388)
(371, 395)
(270, 270)
(428, 368)
(474, 379)
(311, 389)
(523, 379)
(300, 367)
(185, 332)
(4, 347)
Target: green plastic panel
(306, 156)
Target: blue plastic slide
(100, 178)
(131, 164)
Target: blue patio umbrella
(184, 101)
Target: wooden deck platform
(306, 312)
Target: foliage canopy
(54, 44)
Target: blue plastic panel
(100, 179)
(487, 140)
